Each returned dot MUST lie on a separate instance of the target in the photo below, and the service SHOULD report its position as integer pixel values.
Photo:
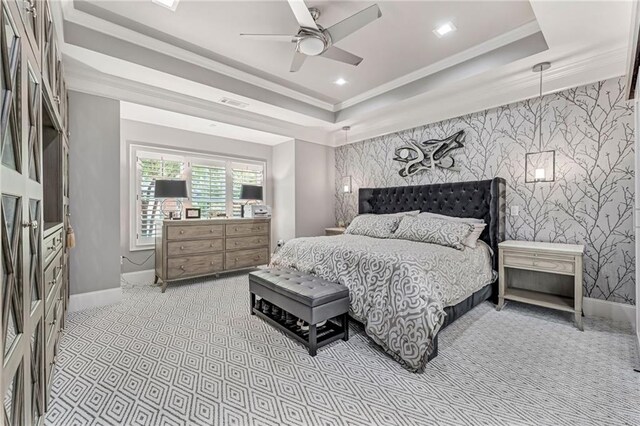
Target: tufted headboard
(483, 199)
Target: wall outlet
(515, 210)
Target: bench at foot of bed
(323, 305)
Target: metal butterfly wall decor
(429, 154)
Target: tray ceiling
(401, 42)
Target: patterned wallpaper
(590, 202)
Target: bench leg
(313, 340)
(252, 300)
(345, 326)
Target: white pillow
(478, 226)
(374, 225)
(435, 231)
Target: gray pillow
(374, 225)
(435, 231)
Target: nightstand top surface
(540, 246)
(335, 228)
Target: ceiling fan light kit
(314, 40)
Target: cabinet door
(21, 303)
(30, 11)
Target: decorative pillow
(435, 231)
(374, 225)
(451, 218)
(472, 239)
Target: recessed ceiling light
(340, 82)
(444, 29)
(169, 4)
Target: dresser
(196, 248)
(548, 258)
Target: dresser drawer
(182, 267)
(247, 242)
(177, 248)
(51, 323)
(52, 245)
(556, 264)
(238, 229)
(245, 258)
(188, 232)
(52, 277)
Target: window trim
(189, 157)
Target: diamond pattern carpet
(194, 356)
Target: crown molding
(487, 92)
(475, 51)
(77, 17)
(88, 80)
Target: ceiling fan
(314, 40)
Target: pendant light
(346, 181)
(540, 166)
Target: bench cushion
(306, 289)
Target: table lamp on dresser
(171, 189)
(250, 193)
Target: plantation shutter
(150, 167)
(244, 174)
(209, 187)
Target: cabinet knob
(32, 224)
(182, 267)
(181, 231)
(181, 247)
(256, 258)
(211, 230)
(212, 262)
(212, 245)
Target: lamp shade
(165, 188)
(251, 192)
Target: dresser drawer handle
(211, 230)
(211, 245)
(256, 258)
(181, 247)
(212, 262)
(182, 231)
(182, 267)
(53, 323)
(54, 360)
(236, 229)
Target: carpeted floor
(194, 356)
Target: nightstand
(553, 258)
(334, 231)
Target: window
(213, 183)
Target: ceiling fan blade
(298, 60)
(303, 16)
(353, 23)
(342, 56)
(269, 37)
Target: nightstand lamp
(169, 189)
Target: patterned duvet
(398, 288)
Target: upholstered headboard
(484, 199)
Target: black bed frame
(484, 199)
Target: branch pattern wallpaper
(590, 202)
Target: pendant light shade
(540, 166)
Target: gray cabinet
(32, 243)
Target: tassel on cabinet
(71, 237)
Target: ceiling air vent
(233, 103)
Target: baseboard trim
(94, 299)
(144, 277)
(614, 311)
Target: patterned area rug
(194, 356)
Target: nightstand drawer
(556, 264)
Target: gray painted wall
(133, 132)
(95, 192)
(315, 201)
(591, 128)
(284, 191)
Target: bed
(405, 292)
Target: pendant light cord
(540, 115)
